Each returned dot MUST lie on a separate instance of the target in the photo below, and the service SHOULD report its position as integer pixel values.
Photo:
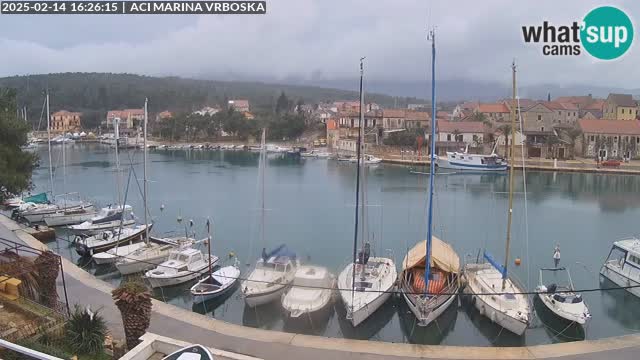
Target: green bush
(85, 332)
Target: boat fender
(105, 236)
(77, 239)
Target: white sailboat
(311, 292)
(87, 246)
(367, 282)
(153, 252)
(75, 215)
(496, 295)
(274, 271)
(112, 255)
(107, 218)
(430, 271)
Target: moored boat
(191, 352)
(216, 284)
(311, 291)
(182, 266)
(70, 216)
(87, 246)
(622, 264)
(272, 274)
(112, 255)
(561, 298)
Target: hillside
(96, 93)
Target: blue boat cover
(496, 265)
(37, 198)
(282, 250)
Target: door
(534, 152)
(561, 153)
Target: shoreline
(175, 322)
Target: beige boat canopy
(442, 256)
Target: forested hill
(96, 93)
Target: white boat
(491, 290)
(374, 283)
(221, 282)
(505, 306)
(562, 299)
(309, 154)
(110, 256)
(366, 160)
(272, 274)
(322, 154)
(106, 219)
(37, 212)
(154, 252)
(70, 216)
(87, 246)
(183, 265)
(474, 162)
(191, 352)
(622, 266)
(311, 291)
(427, 302)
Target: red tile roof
(461, 126)
(66, 113)
(417, 115)
(394, 113)
(493, 108)
(610, 127)
(556, 105)
(576, 100)
(595, 105)
(469, 105)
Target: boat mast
(263, 160)
(49, 144)
(144, 172)
(511, 171)
(358, 170)
(432, 161)
(116, 127)
(209, 245)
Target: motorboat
(191, 352)
(474, 162)
(309, 154)
(216, 284)
(428, 301)
(497, 297)
(112, 255)
(622, 264)
(17, 202)
(151, 255)
(107, 218)
(183, 265)
(75, 215)
(87, 246)
(372, 285)
(366, 160)
(312, 290)
(562, 299)
(273, 273)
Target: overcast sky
(317, 39)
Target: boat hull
(95, 229)
(258, 299)
(577, 318)
(446, 164)
(621, 280)
(512, 324)
(357, 316)
(433, 314)
(61, 220)
(157, 282)
(104, 258)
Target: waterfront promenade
(181, 324)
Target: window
(559, 113)
(542, 128)
(448, 137)
(637, 140)
(615, 139)
(634, 259)
(622, 111)
(593, 138)
(539, 117)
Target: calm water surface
(310, 208)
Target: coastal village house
(65, 121)
(239, 105)
(470, 133)
(609, 139)
(207, 110)
(129, 118)
(163, 116)
(494, 112)
(620, 107)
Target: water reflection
(620, 305)
(268, 316)
(369, 328)
(493, 332)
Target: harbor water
(309, 205)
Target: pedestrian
(556, 255)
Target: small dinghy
(211, 287)
(192, 352)
(562, 299)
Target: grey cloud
(315, 40)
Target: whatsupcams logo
(606, 33)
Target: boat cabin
(278, 263)
(624, 257)
(181, 260)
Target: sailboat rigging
(491, 290)
(430, 277)
(366, 283)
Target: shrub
(85, 331)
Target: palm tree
(48, 265)
(552, 143)
(506, 131)
(134, 302)
(479, 117)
